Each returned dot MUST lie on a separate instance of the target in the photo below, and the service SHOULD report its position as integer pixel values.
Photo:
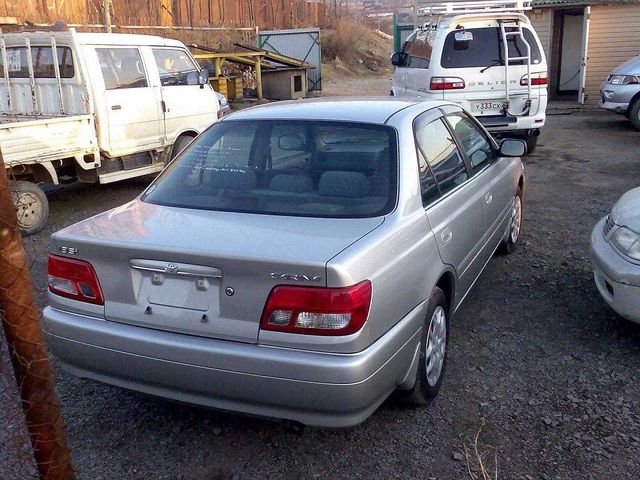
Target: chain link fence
(32, 439)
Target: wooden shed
(583, 41)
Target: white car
(460, 57)
(615, 251)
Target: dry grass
(481, 460)
(355, 49)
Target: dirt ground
(537, 360)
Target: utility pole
(106, 15)
(29, 356)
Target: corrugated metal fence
(300, 43)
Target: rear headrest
(343, 184)
(291, 183)
(233, 178)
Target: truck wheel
(180, 144)
(634, 114)
(531, 142)
(433, 353)
(32, 207)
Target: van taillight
(536, 79)
(74, 279)
(446, 83)
(317, 310)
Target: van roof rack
(460, 8)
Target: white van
(485, 56)
(113, 106)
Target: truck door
(186, 104)
(131, 104)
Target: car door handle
(115, 107)
(446, 235)
(488, 197)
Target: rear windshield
(486, 48)
(300, 168)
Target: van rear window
(486, 49)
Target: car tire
(531, 142)
(515, 226)
(433, 353)
(180, 144)
(32, 207)
(634, 114)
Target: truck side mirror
(203, 77)
(399, 59)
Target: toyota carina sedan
(301, 260)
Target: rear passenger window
(41, 60)
(475, 143)
(419, 48)
(436, 145)
(121, 68)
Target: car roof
(90, 38)
(351, 109)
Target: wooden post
(106, 15)
(258, 69)
(29, 356)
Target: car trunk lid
(200, 272)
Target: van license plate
(486, 106)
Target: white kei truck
(94, 107)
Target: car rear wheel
(515, 227)
(634, 114)
(433, 353)
(32, 207)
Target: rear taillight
(536, 79)
(74, 279)
(446, 83)
(317, 310)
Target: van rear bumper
(314, 388)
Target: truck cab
(486, 57)
(112, 107)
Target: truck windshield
(486, 49)
(300, 168)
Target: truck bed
(28, 139)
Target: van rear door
(479, 61)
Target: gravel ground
(537, 361)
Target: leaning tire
(32, 207)
(634, 114)
(532, 143)
(180, 144)
(515, 227)
(433, 353)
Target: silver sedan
(300, 260)
(621, 91)
(615, 250)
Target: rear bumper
(323, 389)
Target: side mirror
(203, 77)
(512, 147)
(399, 59)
